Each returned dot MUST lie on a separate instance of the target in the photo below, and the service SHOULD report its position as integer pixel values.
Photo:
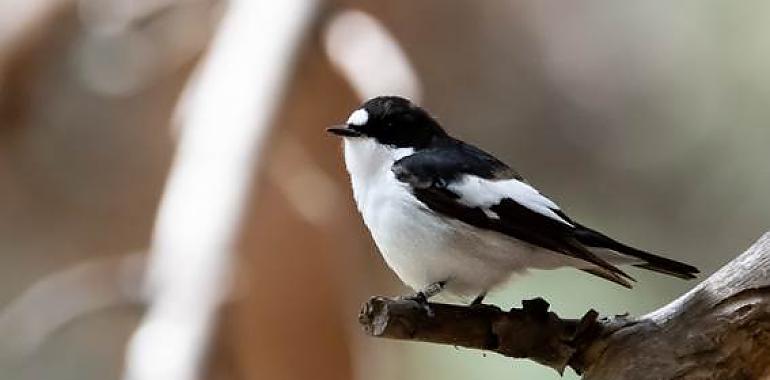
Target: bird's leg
(422, 296)
(479, 299)
(433, 289)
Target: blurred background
(648, 121)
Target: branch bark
(718, 330)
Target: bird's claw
(478, 301)
(421, 300)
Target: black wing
(430, 174)
(451, 160)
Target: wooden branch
(718, 330)
(226, 115)
(530, 332)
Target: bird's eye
(358, 118)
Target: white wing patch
(478, 192)
(490, 214)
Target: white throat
(369, 164)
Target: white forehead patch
(358, 118)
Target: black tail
(594, 239)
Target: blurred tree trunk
(26, 27)
(287, 319)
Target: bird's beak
(344, 131)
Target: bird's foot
(422, 301)
(478, 300)
(433, 289)
(421, 297)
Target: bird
(448, 217)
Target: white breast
(422, 247)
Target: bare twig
(718, 330)
(530, 332)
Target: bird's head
(392, 121)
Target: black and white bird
(448, 216)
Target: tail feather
(609, 276)
(665, 270)
(594, 239)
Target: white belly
(424, 248)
